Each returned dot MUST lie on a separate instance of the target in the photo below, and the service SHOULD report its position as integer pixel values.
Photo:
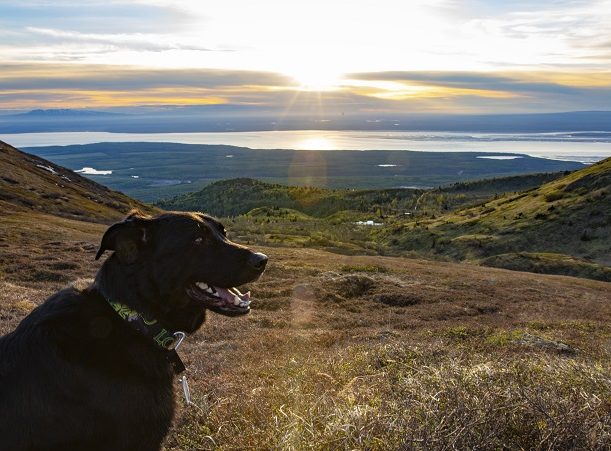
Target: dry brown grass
(367, 352)
(31, 183)
(397, 394)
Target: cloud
(23, 85)
(88, 77)
(93, 16)
(473, 91)
(560, 31)
(444, 55)
(133, 41)
(508, 83)
(339, 36)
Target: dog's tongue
(232, 295)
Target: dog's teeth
(202, 285)
(209, 290)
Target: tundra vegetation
(360, 351)
(556, 223)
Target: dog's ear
(126, 238)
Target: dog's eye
(199, 240)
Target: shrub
(554, 195)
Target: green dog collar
(165, 339)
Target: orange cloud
(76, 85)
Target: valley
(151, 171)
(558, 223)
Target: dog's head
(181, 264)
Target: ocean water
(586, 147)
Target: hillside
(372, 351)
(555, 223)
(239, 196)
(360, 352)
(51, 218)
(30, 183)
(234, 197)
(568, 217)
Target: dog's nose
(257, 260)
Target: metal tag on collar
(180, 336)
(185, 390)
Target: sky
(372, 56)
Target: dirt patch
(351, 285)
(398, 299)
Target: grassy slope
(551, 223)
(239, 196)
(48, 216)
(570, 215)
(365, 352)
(30, 183)
(377, 353)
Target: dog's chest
(140, 413)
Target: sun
(312, 78)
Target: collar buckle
(179, 337)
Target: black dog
(92, 369)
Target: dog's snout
(257, 260)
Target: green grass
(520, 231)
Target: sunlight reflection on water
(562, 146)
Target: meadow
(367, 352)
(345, 351)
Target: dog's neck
(133, 286)
(118, 283)
(149, 327)
(128, 306)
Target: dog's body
(75, 374)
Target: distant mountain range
(216, 118)
(63, 113)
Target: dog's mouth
(226, 301)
